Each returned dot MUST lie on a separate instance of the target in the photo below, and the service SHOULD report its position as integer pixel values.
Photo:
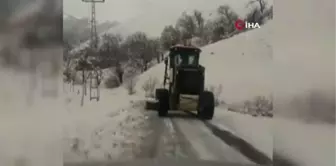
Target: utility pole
(93, 22)
(93, 50)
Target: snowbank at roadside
(258, 131)
(108, 129)
(305, 144)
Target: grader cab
(185, 79)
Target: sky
(121, 10)
(148, 15)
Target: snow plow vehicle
(185, 78)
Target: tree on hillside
(261, 3)
(169, 36)
(268, 13)
(112, 54)
(187, 26)
(208, 31)
(154, 48)
(254, 16)
(221, 26)
(199, 21)
(227, 18)
(119, 70)
(110, 49)
(213, 30)
(67, 62)
(260, 12)
(67, 47)
(200, 25)
(138, 50)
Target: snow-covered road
(135, 133)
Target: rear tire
(163, 105)
(206, 105)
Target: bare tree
(138, 50)
(110, 50)
(268, 13)
(227, 17)
(120, 72)
(154, 48)
(254, 16)
(67, 47)
(200, 21)
(262, 4)
(169, 36)
(187, 26)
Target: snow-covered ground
(304, 63)
(108, 129)
(256, 131)
(306, 144)
(242, 65)
(243, 62)
(29, 130)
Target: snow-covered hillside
(245, 65)
(87, 130)
(304, 81)
(242, 65)
(77, 30)
(161, 13)
(144, 18)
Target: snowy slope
(161, 13)
(256, 131)
(255, 62)
(29, 133)
(242, 65)
(305, 144)
(304, 82)
(35, 134)
(108, 129)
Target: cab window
(191, 60)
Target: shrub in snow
(78, 77)
(130, 86)
(197, 42)
(149, 86)
(259, 106)
(112, 82)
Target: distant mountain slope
(77, 30)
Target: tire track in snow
(208, 146)
(164, 140)
(149, 146)
(182, 147)
(175, 137)
(238, 143)
(280, 160)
